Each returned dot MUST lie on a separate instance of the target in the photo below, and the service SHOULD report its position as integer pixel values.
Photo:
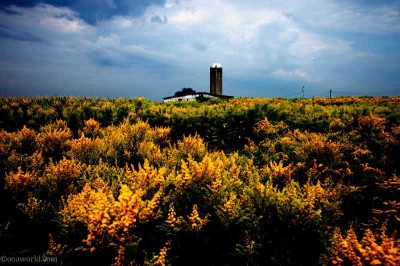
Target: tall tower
(216, 79)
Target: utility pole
(330, 93)
(302, 89)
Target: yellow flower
(196, 221)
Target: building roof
(199, 94)
(216, 65)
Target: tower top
(218, 65)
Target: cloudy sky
(153, 48)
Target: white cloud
(169, 3)
(240, 34)
(186, 17)
(112, 41)
(309, 46)
(63, 24)
(380, 17)
(46, 17)
(294, 74)
(121, 22)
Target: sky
(153, 48)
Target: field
(235, 182)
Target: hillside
(224, 182)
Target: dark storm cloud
(149, 48)
(115, 58)
(8, 33)
(93, 11)
(130, 58)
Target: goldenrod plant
(245, 181)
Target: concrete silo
(216, 79)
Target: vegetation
(185, 91)
(238, 182)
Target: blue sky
(127, 48)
